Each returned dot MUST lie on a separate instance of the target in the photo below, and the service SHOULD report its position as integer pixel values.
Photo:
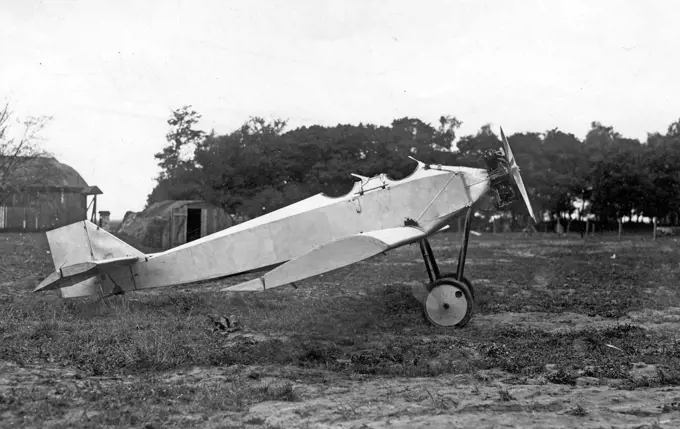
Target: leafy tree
(18, 151)
(471, 147)
(566, 176)
(184, 185)
(616, 180)
(181, 138)
(600, 140)
(446, 133)
(619, 187)
(673, 131)
(177, 179)
(655, 140)
(235, 167)
(413, 137)
(260, 167)
(660, 169)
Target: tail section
(81, 252)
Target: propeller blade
(506, 147)
(514, 172)
(520, 184)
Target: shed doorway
(193, 224)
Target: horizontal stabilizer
(76, 273)
(83, 250)
(333, 255)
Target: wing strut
(462, 255)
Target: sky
(109, 73)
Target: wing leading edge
(336, 254)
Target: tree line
(262, 166)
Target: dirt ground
(368, 402)
(565, 334)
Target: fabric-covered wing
(333, 255)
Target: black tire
(449, 303)
(465, 280)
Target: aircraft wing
(76, 273)
(333, 255)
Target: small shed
(167, 224)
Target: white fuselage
(429, 197)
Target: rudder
(83, 242)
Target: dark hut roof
(46, 172)
(163, 208)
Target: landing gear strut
(450, 297)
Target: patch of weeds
(44, 330)
(670, 407)
(485, 298)
(579, 411)
(485, 378)
(504, 394)
(303, 412)
(528, 351)
(562, 376)
(244, 352)
(668, 376)
(495, 351)
(440, 401)
(318, 352)
(399, 300)
(255, 421)
(188, 303)
(282, 391)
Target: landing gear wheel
(448, 303)
(467, 282)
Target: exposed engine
(499, 174)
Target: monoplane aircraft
(305, 239)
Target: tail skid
(81, 252)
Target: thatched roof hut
(41, 172)
(41, 193)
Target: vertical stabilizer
(83, 242)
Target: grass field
(565, 334)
